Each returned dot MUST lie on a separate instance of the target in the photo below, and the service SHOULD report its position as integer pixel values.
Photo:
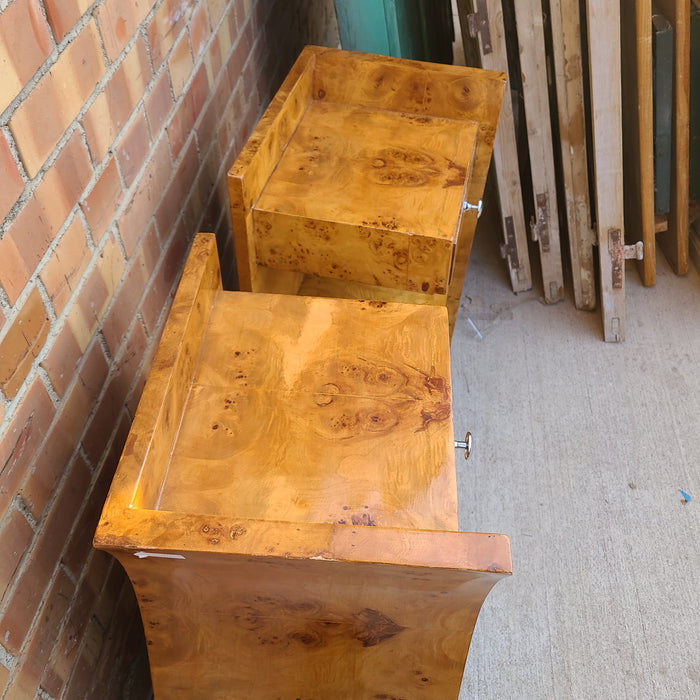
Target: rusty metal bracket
(540, 227)
(479, 24)
(619, 253)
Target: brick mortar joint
(31, 184)
(58, 567)
(35, 280)
(57, 322)
(21, 507)
(36, 371)
(50, 60)
(6, 659)
(9, 137)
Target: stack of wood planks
(569, 176)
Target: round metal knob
(466, 445)
(474, 207)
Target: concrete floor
(580, 449)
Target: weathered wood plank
(566, 42)
(505, 150)
(638, 134)
(603, 19)
(694, 138)
(674, 242)
(533, 65)
(662, 52)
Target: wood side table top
(318, 410)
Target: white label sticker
(143, 555)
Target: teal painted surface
(695, 102)
(662, 48)
(362, 26)
(416, 29)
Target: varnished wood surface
(154, 428)
(346, 85)
(285, 628)
(252, 168)
(406, 172)
(265, 610)
(298, 413)
(317, 603)
(368, 195)
(340, 289)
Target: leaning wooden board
(357, 174)
(606, 107)
(638, 134)
(487, 49)
(286, 506)
(674, 241)
(533, 66)
(566, 42)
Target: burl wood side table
(285, 505)
(355, 181)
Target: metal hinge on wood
(539, 227)
(619, 253)
(479, 24)
(509, 249)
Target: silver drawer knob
(474, 207)
(466, 445)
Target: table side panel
(153, 431)
(259, 157)
(313, 629)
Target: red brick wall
(118, 122)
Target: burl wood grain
(281, 628)
(285, 502)
(297, 412)
(367, 195)
(369, 184)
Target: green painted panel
(362, 26)
(417, 29)
(662, 48)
